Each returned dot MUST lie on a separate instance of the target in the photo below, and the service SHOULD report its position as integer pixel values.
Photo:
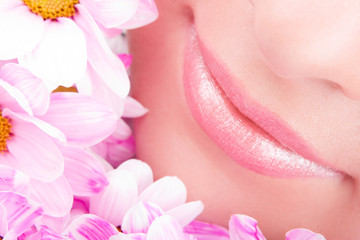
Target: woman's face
(255, 105)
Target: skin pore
(298, 60)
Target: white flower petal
(121, 236)
(139, 218)
(165, 228)
(113, 202)
(104, 93)
(142, 172)
(61, 57)
(111, 13)
(145, 14)
(167, 192)
(187, 212)
(107, 65)
(21, 30)
(133, 108)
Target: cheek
(308, 38)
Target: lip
(246, 131)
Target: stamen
(5, 132)
(52, 9)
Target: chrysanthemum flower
(58, 39)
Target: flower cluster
(63, 173)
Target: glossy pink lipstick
(246, 131)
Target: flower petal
(21, 30)
(111, 13)
(55, 223)
(142, 172)
(145, 14)
(244, 227)
(21, 213)
(13, 98)
(187, 212)
(167, 192)
(113, 202)
(100, 120)
(121, 236)
(55, 197)
(303, 234)
(90, 227)
(3, 221)
(104, 93)
(165, 228)
(32, 87)
(44, 126)
(13, 180)
(206, 231)
(43, 233)
(139, 218)
(37, 154)
(60, 58)
(107, 65)
(121, 151)
(122, 132)
(84, 172)
(133, 108)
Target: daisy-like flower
(132, 200)
(59, 39)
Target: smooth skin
(297, 58)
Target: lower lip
(239, 137)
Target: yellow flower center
(5, 132)
(52, 9)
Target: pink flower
(31, 121)
(58, 46)
(132, 200)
